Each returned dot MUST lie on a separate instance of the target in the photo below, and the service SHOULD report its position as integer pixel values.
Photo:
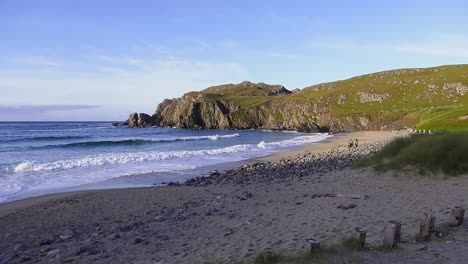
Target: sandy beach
(231, 222)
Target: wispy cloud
(39, 61)
(451, 50)
(283, 55)
(453, 45)
(43, 108)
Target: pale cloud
(121, 84)
(449, 45)
(283, 55)
(45, 108)
(229, 44)
(38, 61)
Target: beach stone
(19, 247)
(45, 242)
(67, 234)
(159, 218)
(45, 249)
(137, 240)
(114, 236)
(346, 207)
(53, 253)
(24, 258)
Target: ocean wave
(137, 141)
(111, 159)
(45, 138)
(122, 158)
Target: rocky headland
(429, 98)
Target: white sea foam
(123, 158)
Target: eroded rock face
(140, 120)
(133, 120)
(202, 112)
(372, 97)
(145, 120)
(458, 87)
(256, 106)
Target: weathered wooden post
(361, 236)
(457, 216)
(392, 234)
(427, 227)
(312, 245)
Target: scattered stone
(53, 253)
(346, 207)
(67, 234)
(137, 240)
(114, 236)
(19, 247)
(24, 258)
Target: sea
(45, 157)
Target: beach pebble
(53, 253)
(19, 247)
(114, 236)
(159, 218)
(137, 240)
(346, 207)
(24, 258)
(67, 234)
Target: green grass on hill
(416, 98)
(445, 153)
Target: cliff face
(386, 100)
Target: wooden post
(312, 245)
(392, 234)
(361, 236)
(457, 216)
(427, 227)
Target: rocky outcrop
(140, 120)
(384, 100)
(133, 120)
(217, 108)
(458, 87)
(372, 97)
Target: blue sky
(101, 60)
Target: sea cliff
(428, 98)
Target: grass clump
(325, 254)
(445, 153)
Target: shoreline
(154, 179)
(125, 182)
(267, 206)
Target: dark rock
(24, 258)
(133, 120)
(53, 253)
(137, 240)
(346, 207)
(145, 120)
(114, 236)
(19, 247)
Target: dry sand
(227, 223)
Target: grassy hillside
(431, 98)
(423, 98)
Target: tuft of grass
(267, 257)
(351, 243)
(445, 153)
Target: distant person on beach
(350, 144)
(356, 143)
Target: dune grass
(440, 153)
(326, 254)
